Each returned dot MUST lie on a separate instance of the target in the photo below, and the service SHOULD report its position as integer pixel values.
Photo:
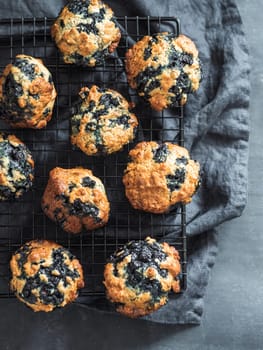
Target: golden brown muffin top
(159, 176)
(27, 93)
(75, 199)
(103, 123)
(16, 167)
(163, 69)
(85, 32)
(45, 275)
(139, 276)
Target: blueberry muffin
(76, 200)
(86, 32)
(45, 275)
(139, 276)
(159, 176)
(164, 69)
(27, 93)
(103, 123)
(16, 167)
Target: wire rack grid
(23, 220)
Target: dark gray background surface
(233, 317)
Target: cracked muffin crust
(103, 123)
(27, 93)
(164, 69)
(45, 275)
(139, 276)
(76, 200)
(16, 167)
(159, 176)
(85, 32)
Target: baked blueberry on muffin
(164, 69)
(16, 167)
(103, 123)
(76, 200)
(159, 176)
(86, 32)
(45, 275)
(27, 93)
(139, 276)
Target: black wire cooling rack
(23, 220)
